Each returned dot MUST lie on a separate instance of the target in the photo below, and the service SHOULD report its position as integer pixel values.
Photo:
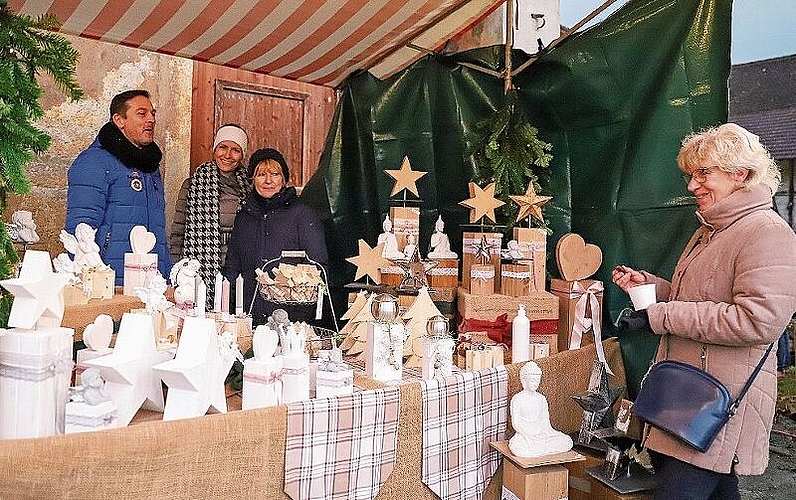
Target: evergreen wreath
(28, 46)
(505, 149)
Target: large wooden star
(405, 178)
(482, 202)
(195, 377)
(415, 271)
(369, 261)
(37, 293)
(530, 204)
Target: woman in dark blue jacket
(272, 219)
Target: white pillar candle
(239, 296)
(225, 295)
(217, 293)
(201, 299)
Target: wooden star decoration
(37, 293)
(415, 271)
(369, 261)
(597, 404)
(530, 204)
(483, 250)
(405, 178)
(482, 202)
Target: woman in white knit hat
(208, 201)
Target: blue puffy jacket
(101, 193)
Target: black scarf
(146, 159)
(281, 199)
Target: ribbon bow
(582, 324)
(498, 330)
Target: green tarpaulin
(614, 101)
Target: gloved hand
(634, 321)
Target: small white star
(37, 293)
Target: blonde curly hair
(731, 148)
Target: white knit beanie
(232, 133)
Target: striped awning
(314, 41)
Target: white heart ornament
(141, 240)
(97, 335)
(264, 342)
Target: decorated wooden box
(99, 283)
(516, 279)
(575, 299)
(405, 221)
(471, 242)
(533, 245)
(445, 274)
(139, 268)
(482, 279)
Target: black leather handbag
(686, 402)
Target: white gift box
(339, 383)
(295, 378)
(385, 350)
(437, 360)
(262, 382)
(83, 417)
(139, 268)
(84, 355)
(35, 374)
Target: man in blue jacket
(115, 184)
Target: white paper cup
(642, 296)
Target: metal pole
(510, 9)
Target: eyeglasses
(699, 174)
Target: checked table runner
(462, 414)
(342, 447)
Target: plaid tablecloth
(341, 447)
(462, 414)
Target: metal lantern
(437, 327)
(384, 308)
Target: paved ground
(779, 481)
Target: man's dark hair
(119, 101)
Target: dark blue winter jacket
(112, 198)
(264, 227)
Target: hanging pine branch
(506, 150)
(27, 47)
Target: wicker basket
(284, 294)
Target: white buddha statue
(410, 247)
(530, 417)
(390, 250)
(440, 244)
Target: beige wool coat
(733, 292)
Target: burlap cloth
(242, 454)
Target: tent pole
(510, 8)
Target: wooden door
(272, 117)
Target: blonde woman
(730, 297)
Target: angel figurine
(82, 246)
(22, 229)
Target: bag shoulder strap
(737, 402)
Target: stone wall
(103, 71)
